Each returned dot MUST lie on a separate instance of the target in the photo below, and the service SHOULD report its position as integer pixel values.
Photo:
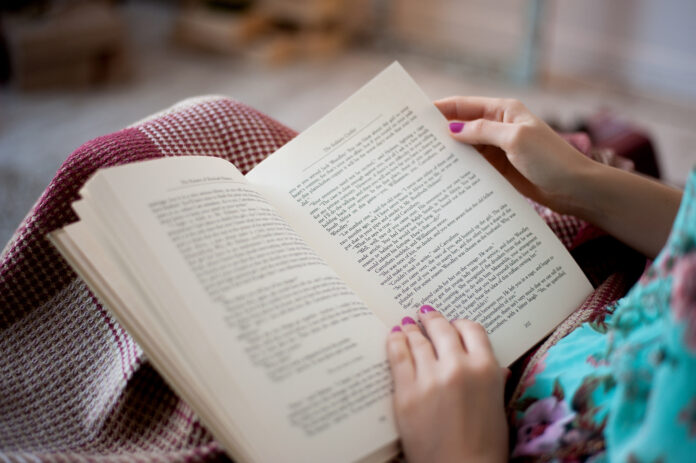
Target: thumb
(506, 373)
(481, 132)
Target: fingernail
(396, 329)
(456, 127)
(426, 309)
(408, 321)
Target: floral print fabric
(622, 387)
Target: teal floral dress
(622, 385)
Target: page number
(527, 324)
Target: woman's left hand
(448, 391)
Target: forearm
(634, 209)
(544, 167)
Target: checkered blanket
(75, 386)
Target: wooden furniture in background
(76, 44)
(272, 31)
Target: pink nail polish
(456, 127)
(396, 329)
(408, 321)
(426, 309)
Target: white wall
(649, 45)
(644, 44)
(478, 31)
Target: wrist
(576, 193)
(635, 209)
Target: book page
(407, 216)
(285, 347)
(102, 271)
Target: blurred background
(72, 70)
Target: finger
(399, 357)
(498, 159)
(421, 348)
(443, 335)
(466, 108)
(483, 132)
(475, 338)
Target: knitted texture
(74, 385)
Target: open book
(265, 299)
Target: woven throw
(74, 386)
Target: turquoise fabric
(623, 387)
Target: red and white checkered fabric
(74, 386)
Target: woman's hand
(524, 149)
(448, 391)
(544, 167)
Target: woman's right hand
(544, 167)
(526, 151)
